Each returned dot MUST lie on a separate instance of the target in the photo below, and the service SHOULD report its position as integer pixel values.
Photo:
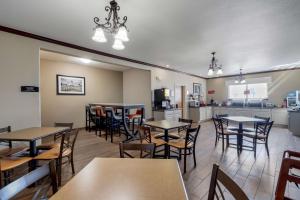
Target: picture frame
(197, 87)
(70, 85)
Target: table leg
(33, 153)
(166, 138)
(240, 137)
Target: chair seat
(234, 128)
(230, 132)
(252, 135)
(157, 142)
(52, 154)
(48, 146)
(173, 135)
(249, 129)
(8, 163)
(10, 151)
(180, 144)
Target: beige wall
(19, 65)
(137, 88)
(101, 86)
(281, 83)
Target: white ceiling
(256, 35)
(47, 55)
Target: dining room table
(31, 135)
(119, 178)
(241, 120)
(166, 126)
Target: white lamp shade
(99, 35)
(118, 45)
(122, 34)
(219, 72)
(243, 81)
(210, 72)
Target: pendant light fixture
(241, 79)
(113, 26)
(214, 66)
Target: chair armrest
(289, 154)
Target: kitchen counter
(247, 107)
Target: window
(258, 91)
(248, 91)
(236, 91)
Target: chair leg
(216, 140)
(227, 140)
(179, 152)
(254, 146)
(267, 148)
(72, 164)
(222, 143)
(58, 169)
(184, 164)
(194, 155)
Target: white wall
(137, 88)
(167, 79)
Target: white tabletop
(242, 119)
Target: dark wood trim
(74, 46)
(254, 73)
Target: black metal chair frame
(147, 148)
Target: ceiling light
(240, 79)
(167, 65)
(112, 25)
(210, 72)
(99, 35)
(118, 45)
(214, 66)
(85, 60)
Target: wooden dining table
(166, 125)
(241, 120)
(125, 179)
(31, 135)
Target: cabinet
(280, 116)
(171, 115)
(200, 113)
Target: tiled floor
(257, 177)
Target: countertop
(236, 107)
(162, 110)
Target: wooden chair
(8, 164)
(113, 123)
(148, 148)
(48, 146)
(47, 170)
(290, 161)
(177, 134)
(258, 125)
(222, 132)
(260, 136)
(100, 119)
(65, 150)
(146, 137)
(215, 190)
(188, 145)
(9, 150)
(226, 122)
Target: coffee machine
(162, 98)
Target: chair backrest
(290, 161)
(191, 136)
(145, 133)
(189, 121)
(110, 113)
(6, 130)
(215, 190)
(263, 128)
(68, 141)
(59, 124)
(47, 170)
(100, 112)
(224, 121)
(148, 148)
(218, 125)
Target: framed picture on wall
(197, 88)
(70, 85)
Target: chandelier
(240, 79)
(112, 25)
(214, 67)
